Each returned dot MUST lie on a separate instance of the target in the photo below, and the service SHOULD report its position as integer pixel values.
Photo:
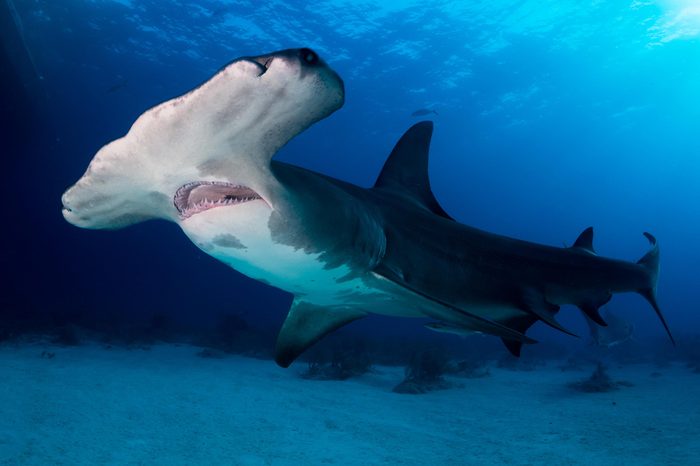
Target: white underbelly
(241, 239)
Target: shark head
(204, 157)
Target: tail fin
(650, 262)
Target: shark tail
(650, 262)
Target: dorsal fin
(405, 172)
(585, 240)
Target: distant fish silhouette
(423, 112)
(116, 86)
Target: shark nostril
(308, 56)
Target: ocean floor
(94, 405)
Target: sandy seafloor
(91, 405)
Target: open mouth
(199, 196)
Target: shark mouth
(199, 196)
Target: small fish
(423, 112)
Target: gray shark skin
(204, 161)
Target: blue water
(552, 117)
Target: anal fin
(307, 323)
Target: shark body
(204, 161)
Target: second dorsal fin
(585, 240)
(405, 172)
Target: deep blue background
(553, 116)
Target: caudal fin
(650, 262)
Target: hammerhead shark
(204, 160)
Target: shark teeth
(193, 198)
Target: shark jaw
(196, 197)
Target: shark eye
(308, 56)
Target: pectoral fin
(307, 323)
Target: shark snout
(79, 205)
(66, 205)
(70, 212)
